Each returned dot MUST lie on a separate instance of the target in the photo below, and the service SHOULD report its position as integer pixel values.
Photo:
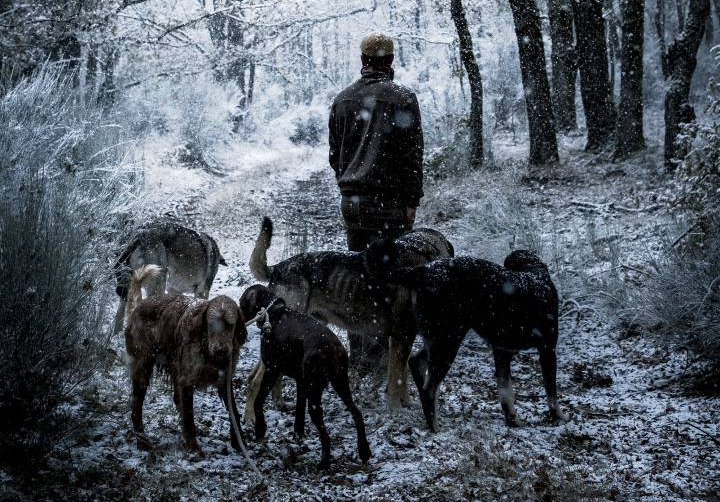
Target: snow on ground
(634, 433)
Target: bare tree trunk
(251, 82)
(593, 65)
(418, 14)
(613, 42)
(107, 91)
(629, 136)
(564, 66)
(467, 55)
(710, 31)
(680, 8)
(541, 123)
(681, 61)
(660, 30)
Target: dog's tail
(258, 259)
(136, 283)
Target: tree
(457, 12)
(681, 60)
(594, 79)
(564, 65)
(629, 135)
(541, 122)
(660, 32)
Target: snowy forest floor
(636, 428)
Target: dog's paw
(513, 421)
(324, 464)
(144, 444)
(558, 416)
(365, 453)
(194, 448)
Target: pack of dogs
(393, 291)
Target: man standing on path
(376, 149)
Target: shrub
(682, 302)
(307, 131)
(682, 306)
(201, 115)
(698, 176)
(60, 179)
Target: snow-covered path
(632, 434)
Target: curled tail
(136, 283)
(258, 259)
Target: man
(376, 149)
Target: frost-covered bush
(200, 115)
(61, 179)
(681, 306)
(683, 300)
(307, 131)
(699, 173)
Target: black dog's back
(514, 307)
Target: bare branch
(191, 22)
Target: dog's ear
(198, 321)
(248, 303)
(381, 256)
(240, 329)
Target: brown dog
(195, 343)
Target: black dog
(299, 346)
(514, 307)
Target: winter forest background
(215, 113)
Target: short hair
(377, 45)
(378, 61)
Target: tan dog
(195, 343)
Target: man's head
(377, 51)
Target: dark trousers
(368, 218)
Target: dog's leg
(277, 396)
(140, 373)
(187, 418)
(253, 386)
(441, 355)
(397, 391)
(231, 408)
(314, 395)
(341, 384)
(503, 359)
(419, 368)
(300, 409)
(269, 378)
(548, 363)
(120, 317)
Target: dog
(335, 287)
(299, 346)
(513, 307)
(194, 343)
(189, 261)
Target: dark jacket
(376, 141)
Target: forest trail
(630, 426)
